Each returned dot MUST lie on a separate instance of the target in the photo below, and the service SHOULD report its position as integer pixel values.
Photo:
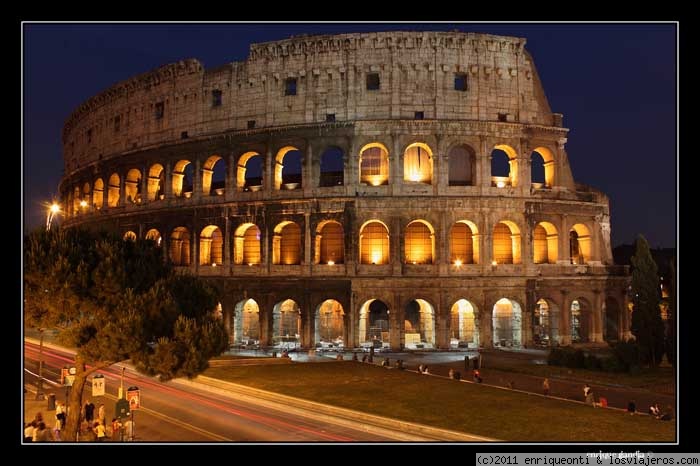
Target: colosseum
(401, 190)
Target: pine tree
(115, 300)
(671, 327)
(647, 326)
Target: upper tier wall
(416, 71)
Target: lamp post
(53, 210)
(40, 383)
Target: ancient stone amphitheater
(394, 189)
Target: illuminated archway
(419, 325)
(249, 172)
(214, 176)
(464, 326)
(464, 243)
(331, 167)
(373, 324)
(374, 164)
(329, 324)
(506, 243)
(246, 325)
(113, 190)
(129, 236)
(330, 243)
(503, 175)
(374, 243)
(541, 323)
(581, 313)
(580, 244)
(154, 235)
(545, 242)
(180, 246)
(288, 168)
(507, 323)
(286, 244)
(182, 178)
(156, 182)
(132, 186)
(418, 163)
(419, 243)
(286, 324)
(247, 244)
(211, 244)
(98, 194)
(544, 175)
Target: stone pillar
(144, 185)
(307, 240)
(395, 165)
(207, 175)
(265, 316)
(194, 250)
(442, 328)
(483, 163)
(595, 331)
(307, 324)
(565, 321)
(168, 180)
(525, 167)
(564, 246)
(396, 245)
(122, 189)
(351, 168)
(268, 179)
(197, 182)
(486, 325)
(307, 178)
(485, 240)
(230, 183)
(396, 336)
(228, 238)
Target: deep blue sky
(614, 83)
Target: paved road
(172, 414)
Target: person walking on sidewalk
(545, 386)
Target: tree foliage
(671, 329)
(647, 326)
(114, 300)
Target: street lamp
(53, 210)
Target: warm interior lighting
(500, 184)
(414, 262)
(55, 208)
(415, 176)
(494, 263)
(458, 263)
(250, 264)
(376, 257)
(331, 263)
(213, 264)
(83, 204)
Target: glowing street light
(53, 210)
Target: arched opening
(86, 195)
(374, 164)
(286, 244)
(129, 236)
(506, 243)
(154, 235)
(541, 324)
(183, 178)
(464, 243)
(76, 199)
(507, 323)
(542, 171)
(249, 173)
(504, 166)
(98, 194)
(579, 244)
(331, 167)
(545, 243)
(580, 320)
(286, 324)
(330, 243)
(419, 243)
(612, 320)
(464, 327)
(374, 243)
(180, 246)
(132, 186)
(462, 166)
(418, 163)
(246, 326)
(374, 324)
(113, 190)
(419, 325)
(288, 169)
(329, 325)
(214, 176)
(156, 182)
(247, 245)
(211, 246)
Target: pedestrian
(116, 429)
(451, 373)
(29, 431)
(631, 407)
(477, 376)
(545, 386)
(101, 415)
(586, 391)
(511, 384)
(42, 434)
(354, 356)
(129, 430)
(89, 411)
(100, 431)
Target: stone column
(197, 182)
(230, 183)
(396, 336)
(564, 247)
(307, 179)
(268, 179)
(307, 240)
(122, 189)
(595, 331)
(486, 325)
(228, 238)
(483, 163)
(396, 245)
(168, 180)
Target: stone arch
(154, 235)
(180, 246)
(545, 243)
(580, 244)
(545, 322)
(547, 171)
(76, 199)
(374, 164)
(419, 243)
(156, 182)
(613, 315)
(113, 190)
(329, 320)
(330, 243)
(462, 166)
(132, 186)
(289, 178)
(499, 180)
(373, 324)
(507, 323)
(214, 176)
(331, 167)
(581, 320)
(98, 190)
(418, 163)
(464, 325)
(419, 324)
(286, 324)
(211, 246)
(464, 243)
(246, 325)
(374, 243)
(129, 236)
(86, 194)
(182, 178)
(249, 172)
(506, 243)
(246, 248)
(286, 244)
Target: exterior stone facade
(411, 216)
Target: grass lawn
(465, 407)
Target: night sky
(614, 83)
